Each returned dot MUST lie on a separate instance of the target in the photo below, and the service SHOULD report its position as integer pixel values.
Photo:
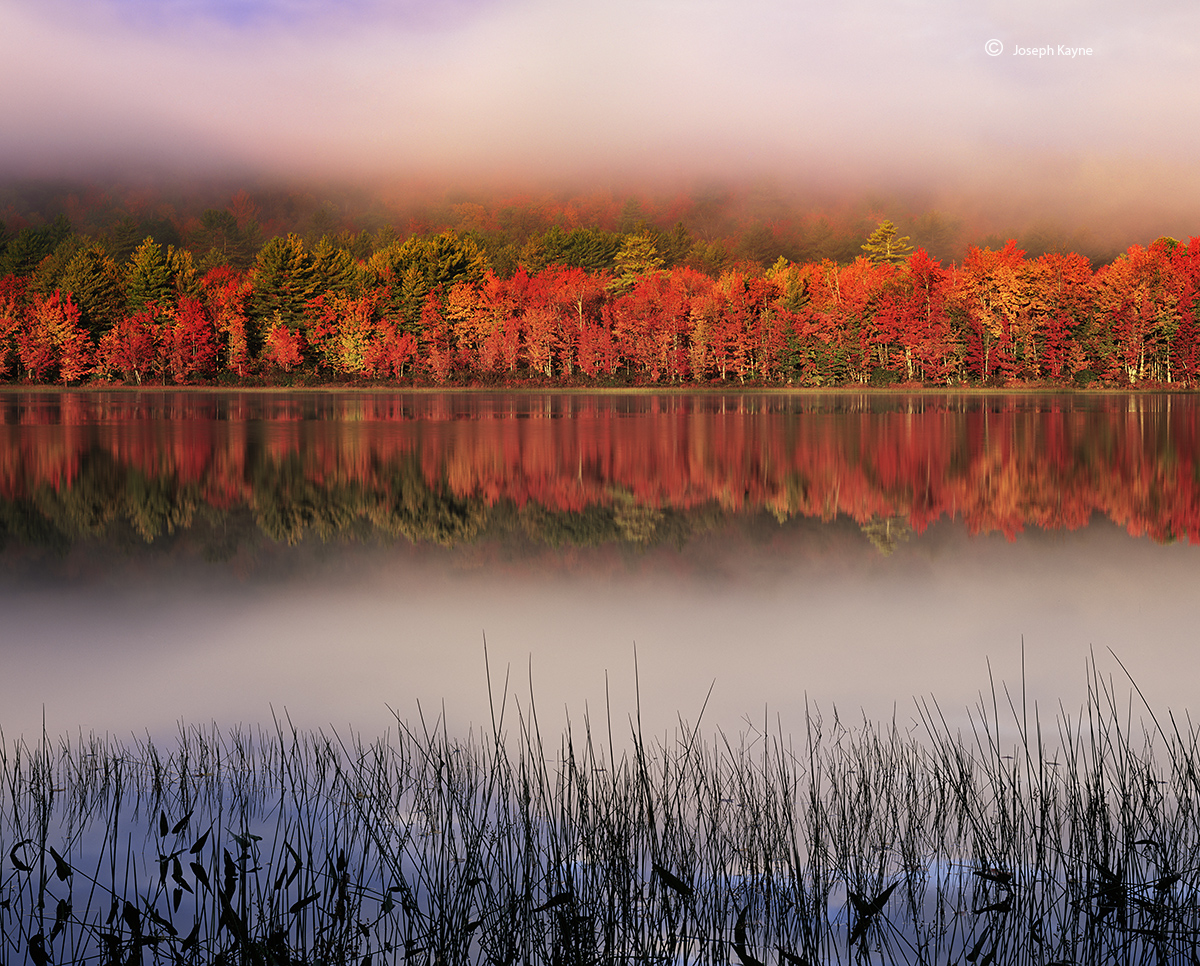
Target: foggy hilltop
(391, 112)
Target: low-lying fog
(801, 613)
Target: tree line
(587, 307)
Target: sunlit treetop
(884, 246)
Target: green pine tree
(414, 268)
(285, 279)
(335, 268)
(148, 277)
(637, 258)
(94, 282)
(884, 246)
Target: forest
(617, 300)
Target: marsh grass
(1077, 843)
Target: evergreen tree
(638, 257)
(588, 248)
(221, 241)
(148, 277)
(94, 281)
(122, 239)
(335, 268)
(159, 276)
(414, 268)
(25, 251)
(884, 246)
(284, 281)
(676, 245)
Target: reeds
(839, 845)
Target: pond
(554, 678)
(339, 558)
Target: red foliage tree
(391, 353)
(131, 348)
(283, 347)
(12, 299)
(191, 342)
(991, 288)
(225, 292)
(52, 342)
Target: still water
(341, 559)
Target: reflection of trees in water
(223, 473)
(127, 512)
(887, 533)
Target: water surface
(193, 556)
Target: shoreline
(633, 390)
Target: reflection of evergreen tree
(288, 505)
(623, 522)
(593, 526)
(22, 523)
(423, 515)
(887, 533)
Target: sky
(859, 96)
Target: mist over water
(811, 614)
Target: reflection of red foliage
(995, 464)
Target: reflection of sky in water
(773, 617)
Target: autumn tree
(576, 299)
(283, 347)
(1139, 295)
(1063, 294)
(342, 330)
(991, 288)
(225, 291)
(189, 341)
(131, 349)
(52, 342)
(910, 318)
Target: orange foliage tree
(52, 342)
